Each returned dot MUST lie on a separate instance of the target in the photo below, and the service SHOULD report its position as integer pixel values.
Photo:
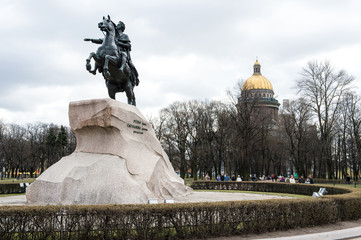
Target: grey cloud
(46, 47)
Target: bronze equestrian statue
(112, 59)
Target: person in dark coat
(301, 180)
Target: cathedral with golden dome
(259, 89)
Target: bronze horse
(111, 63)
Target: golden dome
(257, 81)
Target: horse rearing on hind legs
(112, 62)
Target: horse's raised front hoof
(93, 72)
(106, 73)
(88, 66)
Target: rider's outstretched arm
(97, 41)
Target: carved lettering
(138, 127)
(134, 126)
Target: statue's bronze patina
(112, 59)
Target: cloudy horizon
(183, 50)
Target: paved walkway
(200, 196)
(13, 200)
(341, 230)
(194, 197)
(349, 233)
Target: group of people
(224, 177)
(273, 177)
(292, 179)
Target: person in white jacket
(292, 179)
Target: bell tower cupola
(256, 68)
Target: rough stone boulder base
(118, 159)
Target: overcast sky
(182, 49)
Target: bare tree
(193, 135)
(349, 141)
(355, 117)
(219, 142)
(158, 125)
(34, 147)
(297, 126)
(36, 138)
(251, 124)
(15, 149)
(177, 135)
(324, 88)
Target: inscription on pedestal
(139, 126)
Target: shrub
(186, 220)
(9, 188)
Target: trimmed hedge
(279, 187)
(9, 188)
(334, 181)
(180, 221)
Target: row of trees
(319, 133)
(33, 148)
